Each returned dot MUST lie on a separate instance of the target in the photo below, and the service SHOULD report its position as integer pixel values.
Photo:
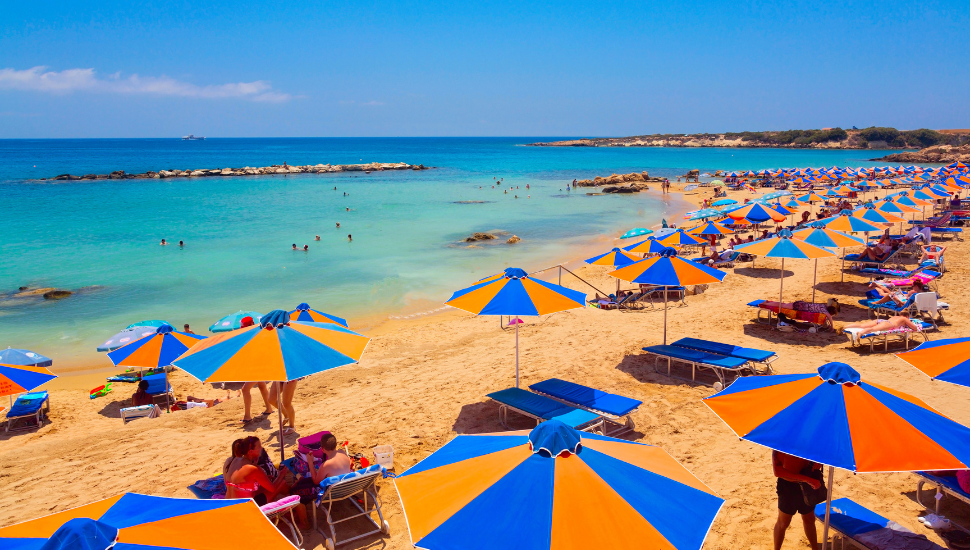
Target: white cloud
(371, 103)
(72, 80)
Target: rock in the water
(513, 239)
(57, 294)
(479, 237)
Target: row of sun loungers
(924, 304)
(726, 361)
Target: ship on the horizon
(191, 137)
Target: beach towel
(212, 485)
(333, 480)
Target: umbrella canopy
(234, 321)
(649, 246)
(947, 360)
(710, 228)
(668, 270)
(870, 214)
(849, 224)
(513, 292)
(145, 522)
(777, 207)
(717, 183)
(126, 336)
(705, 213)
(155, 350)
(13, 356)
(724, 202)
(827, 238)
(16, 379)
(895, 208)
(304, 314)
(636, 232)
(613, 258)
(776, 194)
(784, 246)
(680, 238)
(554, 487)
(152, 323)
(756, 213)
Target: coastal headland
(246, 171)
(938, 154)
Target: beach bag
(814, 496)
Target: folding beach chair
(159, 388)
(144, 411)
(354, 488)
(927, 304)
(542, 408)
(865, 529)
(29, 409)
(615, 408)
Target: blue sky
(372, 68)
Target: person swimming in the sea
(349, 238)
(163, 243)
(294, 246)
(306, 247)
(338, 225)
(317, 238)
(181, 244)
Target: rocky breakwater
(276, 169)
(943, 154)
(620, 183)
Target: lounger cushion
(750, 354)
(27, 404)
(616, 405)
(696, 356)
(542, 407)
(950, 482)
(851, 518)
(157, 384)
(333, 480)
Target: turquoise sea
(406, 255)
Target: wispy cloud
(38, 79)
(370, 103)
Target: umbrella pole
(279, 414)
(665, 316)
(828, 509)
(517, 350)
(814, 280)
(781, 289)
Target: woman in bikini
(877, 325)
(246, 480)
(896, 296)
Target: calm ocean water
(407, 226)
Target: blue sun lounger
(722, 365)
(752, 355)
(889, 308)
(613, 407)
(945, 485)
(861, 525)
(31, 408)
(542, 408)
(158, 386)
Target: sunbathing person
(141, 397)
(877, 325)
(932, 253)
(897, 296)
(197, 402)
(879, 252)
(335, 462)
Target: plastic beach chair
(752, 355)
(143, 411)
(542, 408)
(30, 409)
(281, 511)
(928, 304)
(861, 526)
(354, 488)
(616, 408)
(158, 387)
(723, 366)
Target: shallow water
(407, 226)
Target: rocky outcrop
(246, 171)
(513, 239)
(943, 154)
(475, 237)
(57, 294)
(620, 183)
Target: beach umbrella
(723, 202)
(649, 246)
(681, 238)
(849, 224)
(127, 336)
(777, 207)
(870, 214)
(158, 349)
(13, 356)
(514, 293)
(705, 213)
(277, 349)
(636, 232)
(614, 258)
(947, 360)
(710, 228)
(836, 419)
(717, 183)
(554, 487)
(793, 203)
(234, 321)
(756, 213)
(821, 236)
(16, 379)
(304, 314)
(152, 323)
(132, 521)
(668, 270)
(776, 195)
(784, 246)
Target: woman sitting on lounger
(896, 296)
(877, 325)
(932, 253)
(246, 480)
(878, 253)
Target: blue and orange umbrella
(140, 522)
(756, 213)
(304, 314)
(155, 350)
(276, 349)
(613, 258)
(16, 379)
(849, 224)
(710, 228)
(649, 246)
(668, 270)
(514, 293)
(947, 360)
(835, 418)
(554, 487)
(680, 238)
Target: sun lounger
(674, 294)
(945, 485)
(613, 407)
(858, 262)
(726, 368)
(29, 409)
(806, 312)
(868, 530)
(884, 336)
(889, 308)
(886, 272)
(721, 262)
(542, 408)
(277, 513)
(158, 388)
(928, 304)
(935, 221)
(144, 411)
(355, 488)
(752, 355)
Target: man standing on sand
(791, 472)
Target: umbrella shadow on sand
(762, 272)
(642, 368)
(112, 409)
(482, 418)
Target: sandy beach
(424, 380)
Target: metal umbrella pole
(828, 510)
(517, 323)
(279, 414)
(814, 280)
(665, 316)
